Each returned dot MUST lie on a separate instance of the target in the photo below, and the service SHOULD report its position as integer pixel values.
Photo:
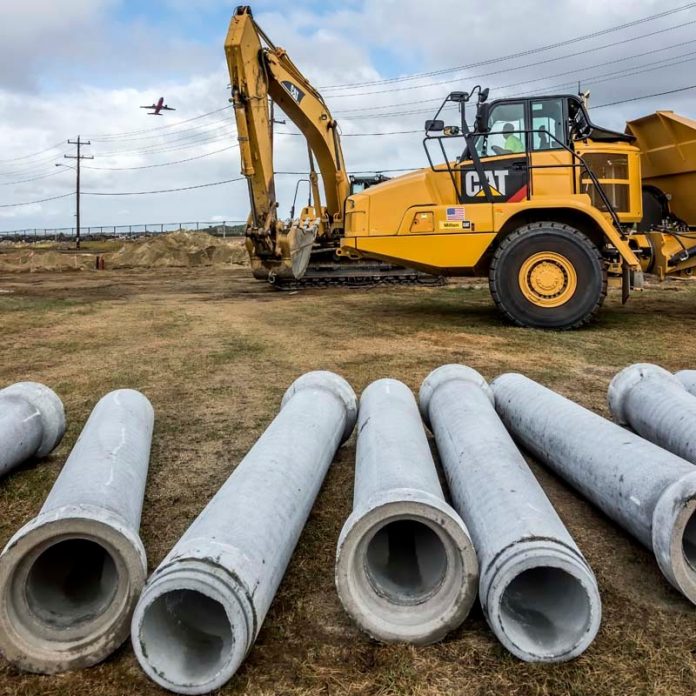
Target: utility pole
(273, 120)
(79, 157)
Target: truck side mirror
(434, 126)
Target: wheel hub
(548, 279)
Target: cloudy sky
(85, 66)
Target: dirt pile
(33, 260)
(176, 250)
(179, 249)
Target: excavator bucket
(667, 143)
(293, 249)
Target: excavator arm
(260, 73)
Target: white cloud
(44, 100)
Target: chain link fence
(233, 228)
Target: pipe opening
(71, 582)
(689, 542)
(545, 611)
(186, 637)
(406, 562)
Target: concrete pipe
(405, 566)
(688, 379)
(203, 607)
(657, 406)
(32, 423)
(70, 578)
(537, 592)
(648, 491)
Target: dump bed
(667, 143)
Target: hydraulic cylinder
(203, 607)
(647, 490)
(406, 569)
(70, 578)
(537, 592)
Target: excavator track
(357, 275)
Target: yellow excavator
(533, 195)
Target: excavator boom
(261, 73)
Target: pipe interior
(406, 561)
(689, 541)
(71, 582)
(545, 611)
(186, 637)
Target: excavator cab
(358, 184)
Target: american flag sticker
(456, 214)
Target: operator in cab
(512, 143)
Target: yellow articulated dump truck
(530, 193)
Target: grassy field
(214, 351)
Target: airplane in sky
(158, 107)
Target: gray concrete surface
(406, 569)
(32, 423)
(70, 578)
(657, 406)
(647, 490)
(203, 607)
(537, 592)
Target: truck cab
(524, 162)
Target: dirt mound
(33, 260)
(176, 250)
(179, 249)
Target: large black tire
(548, 275)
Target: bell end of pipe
(622, 383)
(444, 374)
(406, 569)
(687, 378)
(68, 587)
(541, 600)
(134, 399)
(336, 385)
(49, 405)
(192, 627)
(674, 535)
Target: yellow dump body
(667, 143)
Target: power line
(36, 178)
(42, 200)
(173, 133)
(101, 137)
(620, 75)
(209, 136)
(478, 77)
(31, 168)
(173, 190)
(646, 96)
(519, 54)
(57, 146)
(165, 164)
(475, 78)
(588, 81)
